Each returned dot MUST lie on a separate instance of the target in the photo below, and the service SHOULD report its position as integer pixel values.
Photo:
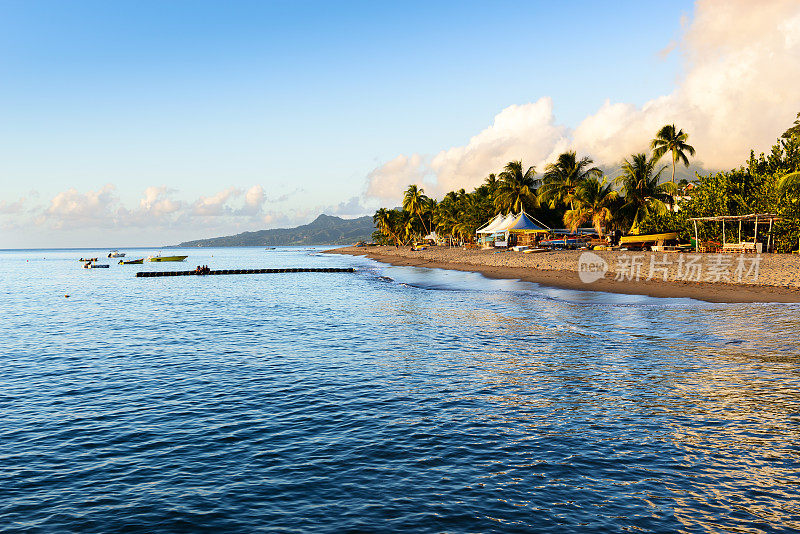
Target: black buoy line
(153, 274)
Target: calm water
(390, 399)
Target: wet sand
(778, 274)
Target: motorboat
(84, 260)
(116, 254)
(132, 262)
(159, 257)
(93, 265)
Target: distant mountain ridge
(324, 230)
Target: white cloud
(526, 132)
(228, 209)
(156, 202)
(738, 91)
(215, 205)
(72, 208)
(255, 197)
(13, 208)
(385, 181)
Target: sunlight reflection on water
(394, 398)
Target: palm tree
(594, 199)
(643, 193)
(516, 190)
(385, 221)
(669, 140)
(788, 181)
(415, 201)
(562, 178)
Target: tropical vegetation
(636, 198)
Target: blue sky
(302, 98)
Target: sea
(391, 399)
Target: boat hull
(132, 262)
(167, 258)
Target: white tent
(489, 228)
(506, 225)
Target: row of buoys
(152, 274)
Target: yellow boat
(649, 238)
(167, 258)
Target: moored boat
(93, 265)
(116, 254)
(166, 258)
(131, 262)
(87, 259)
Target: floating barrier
(154, 274)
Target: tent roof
(524, 223)
(506, 224)
(497, 225)
(487, 229)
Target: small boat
(132, 262)
(84, 260)
(116, 254)
(93, 265)
(166, 258)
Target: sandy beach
(712, 279)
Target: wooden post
(755, 237)
(723, 232)
(696, 239)
(769, 236)
(740, 230)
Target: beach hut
(739, 246)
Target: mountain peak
(324, 230)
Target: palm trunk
(671, 198)
(673, 167)
(423, 222)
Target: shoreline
(568, 279)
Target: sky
(146, 123)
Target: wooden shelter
(740, 246)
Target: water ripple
(396, 398)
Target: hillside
(324, 230)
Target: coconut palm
(669, 140)
(389, 224)
(640, 185)
(415, 202)
(382, 220)
(594, 199)
(516, 189)
(789, 181)
(562, 178)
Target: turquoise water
(395, 398)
